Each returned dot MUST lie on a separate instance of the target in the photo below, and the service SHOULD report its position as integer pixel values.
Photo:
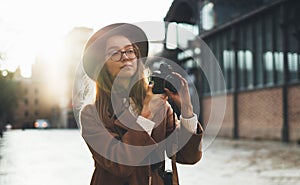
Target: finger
(178, 75)
(169, 93)
(159, 96)
(164, 98)
(149, 89)
(184, 82)
(148, 94)
(150, 86)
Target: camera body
(164, 78)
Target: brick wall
(210, 114)
(294, 113)
(260, 114)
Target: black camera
(164, 78)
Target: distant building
(37, 101)
(74, 44)
(48, 93)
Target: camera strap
(174, 170)
(174, 180)
(173, 157)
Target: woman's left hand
(182, 97)
(153, 104)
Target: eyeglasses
(117, 55)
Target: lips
(126, 66)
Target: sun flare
(38, 30)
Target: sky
(29, 26)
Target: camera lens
(158, 87)
(164, 78)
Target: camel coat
(120, 150)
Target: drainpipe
(235, 86)
(285, 125)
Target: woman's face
(124, 67)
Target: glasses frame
(124, 52)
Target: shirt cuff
(146, 124)
(190, 123)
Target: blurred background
(256, 44)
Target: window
(249, 69)
(228, 63)
(245, 69)
(208, 17)
(171, 40)
(26, 101)
(278, 59)
(241, 69)
(269, 68)
(26, 113)
(293, 62)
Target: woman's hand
(153, 104)
(182, 97)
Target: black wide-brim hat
(94, 51)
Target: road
(60, 157)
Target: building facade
(37, 101)
(47, 94)
(256, 44)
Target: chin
(126, 75)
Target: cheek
(135, 65)
(113, 69)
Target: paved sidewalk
(60, 157)
(236, 162)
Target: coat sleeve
(188, 145)
(114, 152)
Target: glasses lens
(116, 56)
(131, 53)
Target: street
(60, 157)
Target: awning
(183, 11)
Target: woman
(128, 128)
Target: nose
(124, 56)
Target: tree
(9, 95)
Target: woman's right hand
(153, 104)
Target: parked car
(41, 124)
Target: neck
(123, 83)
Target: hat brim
(93, 55)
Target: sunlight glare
(4, 73)
(39, 29)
